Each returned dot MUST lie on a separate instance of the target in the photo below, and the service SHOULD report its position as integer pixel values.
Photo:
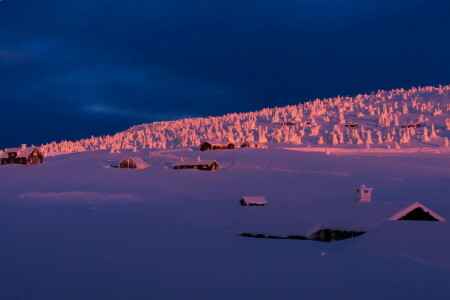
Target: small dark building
(416, 125)
(289, 123)
(354, 125)
(204, 165)
(253, 201)
(212, 145)
(252, 145)
(133, 163)
(25, 156)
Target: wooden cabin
(354, 125)
(214, 145)
(133, 163)
(253, 145)
(204, 165)
(415, 125)
(253, 201)
(24, 155)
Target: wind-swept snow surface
(75, 228)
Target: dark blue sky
(73, 68)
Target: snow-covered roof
(140, 163)
(222, 143)
(304, 218)
(21, 152)
(255, 199)
(195, 163)
(422, 242)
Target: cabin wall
(329, 235)
(35, 157)
(127, 164)
(205, 146)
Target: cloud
(108, 110)
(9, 56)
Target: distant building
(133, 163)
(24, 155)
(215, 145)
(253, 145)
(253, 201)
(363, 194)
(290, 123)
(204, 165)
(355, 125)
(415, 125)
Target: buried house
(253, 201)
(204, 165)
(215, 145)
(24, 155)
(132, 163)
(253, 145)
(327, 221)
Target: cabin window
(366, 191)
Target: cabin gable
(418, 214)
(205, 146)
(127, 163)
(35, 157)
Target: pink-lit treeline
(320, 122)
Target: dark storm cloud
(74, 68)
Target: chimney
(363, 194)
(24, 146)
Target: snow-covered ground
(75, 228)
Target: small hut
(215, 145)
(354, 125)
(414, 125)
(253, 201)
(133, 163)
(24, 155)
(289, 123)
(204, 165)
(253, 145)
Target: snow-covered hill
(320, 122)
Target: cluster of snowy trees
(379, 117)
